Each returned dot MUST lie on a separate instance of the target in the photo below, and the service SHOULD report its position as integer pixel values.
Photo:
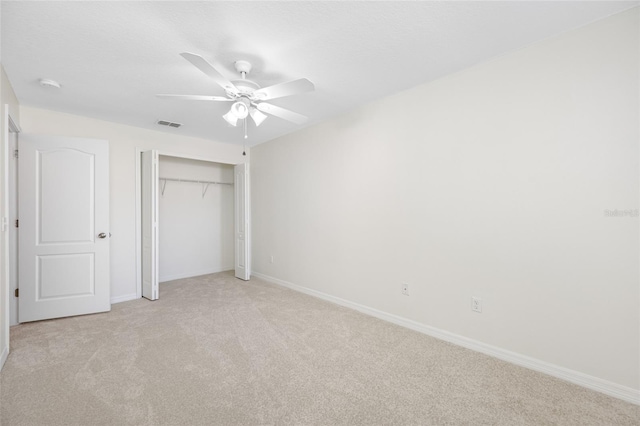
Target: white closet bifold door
(149, 181)
(242, 242)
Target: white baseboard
(604, 386)
(3, 357)
(172, 277)
(124, 298)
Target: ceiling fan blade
(196, 98)
(282, 113)
(284, 89)
(209, 70)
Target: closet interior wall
(195, 230)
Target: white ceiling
(111, 58)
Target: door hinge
(15, 153)
(17, 223)
(17, 292)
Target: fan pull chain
(244, 141)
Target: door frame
(13, 231)
(10, 126)
(139, 206)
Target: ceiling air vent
(169, 123)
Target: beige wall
(123, 142)
(9, 97)
(492, 182)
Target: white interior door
(149, 180)
(64, 227)
(242, 247)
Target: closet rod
(205, 183)
(195, 181)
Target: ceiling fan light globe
(231, 118)
(240, 110)
(257, 116)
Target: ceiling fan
(247, 96)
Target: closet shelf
(205, 183)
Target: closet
(194, 219)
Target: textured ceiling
(111, 58)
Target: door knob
(102, 235)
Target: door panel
(149, 180)
(66, 199)
(66, 275)
(64, 207)
(241, 184)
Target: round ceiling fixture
(45, 82)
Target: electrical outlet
(476, 304)
(271, 259)
(405, 289)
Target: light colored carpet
(219, 351)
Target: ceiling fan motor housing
(245, 87)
